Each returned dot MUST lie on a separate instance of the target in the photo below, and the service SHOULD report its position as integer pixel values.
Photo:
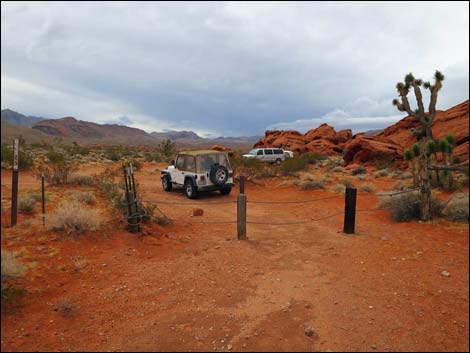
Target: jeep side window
(223, 160)
(260, 153)
(190, 164)
(180, 163)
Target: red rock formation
(222, 149)
(323, 139)
(367, 149)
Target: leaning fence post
(241, 210)
(14, 180)
(350, 211)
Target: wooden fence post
(350, 211)
(43, 197)
(14, 187)
(241, 210)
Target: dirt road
(195, 287)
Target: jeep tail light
(230, 174)
(202, 180)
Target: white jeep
(196, 171)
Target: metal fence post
(43, 197)
(350, 211)
(14, 180)
(241, 211)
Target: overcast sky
(228, 68)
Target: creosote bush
(347, 183)
(294, 165)
(400, 186)
(73, 218)
(406, 207)
(11, 268)
(312, 184)
(26, 204)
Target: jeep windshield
(206, 161)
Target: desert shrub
(293, 165)
(80, 179)
(75, 148)
(406, 207)
(338, 188)
(406, 175)
(332, 163)
(456, 209)
(362, 177)
(84, 197)
(136, 163)
(384, 163)
(25, 159)
(152, 157)
(400, 186)
(57, 168)
(370, 188)
(167, 149)
(381, 173)
(26, 204)
(462, 181)
(161, 220)
(347, 183)
(397, 174)
(314, 157)
(312, 184)
(72, 218)
(10, 267)
(38, 197)
(359, 170)
(338, 169)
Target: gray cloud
(228, 68)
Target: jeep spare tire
(218, 174)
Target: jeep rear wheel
(190, 189)
(166, 183)
(218, 174)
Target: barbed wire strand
(391, 194)
(296, 222)
(291, 202)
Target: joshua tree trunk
(415, 171)
(425, 188)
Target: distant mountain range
(19, 119)
(35, 129)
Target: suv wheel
(190, 189)
(166, 183)
(278, 161)
(225, 191)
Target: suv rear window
(278, 151)
(204, 162)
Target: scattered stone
(229, 347)
(198, 212)
(445, 273)
(309, 331)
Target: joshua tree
(446, 147)
(424, 132)
(411, 155)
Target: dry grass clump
(362, 177)
(381, 173)
(406, 207)
(11, 267)
(73, 218)
(80, 179)
(370, 188)
(359, 170)
(456, 209)
(338, 169)
(84, 197)
(338, 188)
(312, 184)
(66, 308)
(26, 204)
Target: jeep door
(178, 178)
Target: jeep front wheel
(190, 189)
(166, 183)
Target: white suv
(272, 155)
(196, 171)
